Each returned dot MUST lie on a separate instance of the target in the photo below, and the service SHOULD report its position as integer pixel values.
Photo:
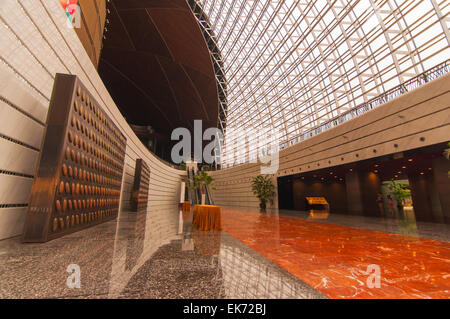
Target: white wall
(35, 44)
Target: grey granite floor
(159, 255)
(144, 256)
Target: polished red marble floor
(334, 258)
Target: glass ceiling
(293, 65)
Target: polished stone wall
(36, 44)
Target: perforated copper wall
(139, 197)
(79, 175)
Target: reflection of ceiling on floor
(156, 65)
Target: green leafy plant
(399, 191)
(446, 154)
(264, 189)
(201, 182)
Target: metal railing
(209, 199)
(389, 95)
(191, 192)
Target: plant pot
(203, 199)
(262, 206)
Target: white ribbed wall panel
(16, 125)
(36, 44)
(11, 221)
(17, 158)
(14, 189)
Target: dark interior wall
(299, 190)
(335, 193)
(421, 197)
(431, 192)
(353, 193)
(441, 167)
(370, 186)
(428, 179)
(285, 194)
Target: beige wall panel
(17, 158)
(424, 112)
(14, 189)
(29, 72)
(19, 126)
(11, 221)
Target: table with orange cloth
(207, 217)
(186, 206)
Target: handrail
(199, 191)
(192, 198)
(208, 195)
(387, 96)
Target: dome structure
(296, 66)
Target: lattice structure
(244, 276)
(79, 178)
(295, 65)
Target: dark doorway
(285, 193)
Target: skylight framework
(216, 58)
(293, 66)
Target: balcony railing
(393, 93)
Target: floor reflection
(136, 235)
(276, 254)
(152, 255)
(400, 222)
(334, 258)
(318, 214)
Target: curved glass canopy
(295, 65)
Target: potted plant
(400, 192)
(201, 182)
(446, 154)
(264, 189)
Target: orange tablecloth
(186, 206)
(207, 217)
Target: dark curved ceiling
(156, 65)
